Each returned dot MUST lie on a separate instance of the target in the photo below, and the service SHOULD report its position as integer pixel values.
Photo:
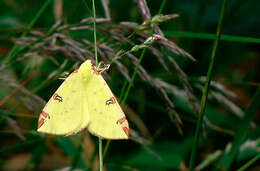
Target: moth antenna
(102, 67)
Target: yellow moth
(84, 100)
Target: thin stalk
(206, 88)
(123, 90)
(140, 60)
(162, 6)
(96, 57)
(100, 155)
(248, 164)
(86, 5)
(209, 36)
(106, 148)
(95, 30)
(134, 74)
(15, 50)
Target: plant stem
(95, 30)
(206, 89)
(134, 74)
(140, 60)
(100, 155)
(106, 148)
(96, 58)
(248, 164)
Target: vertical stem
(134, 74)
(96, 58)
(206, 89)
(95, 34)
(100, 155)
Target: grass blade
(206, 88)
(244, 167)
(96, 58)
(227, 159)
(197, 35)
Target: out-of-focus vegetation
(41, 40)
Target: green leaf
(197, 35)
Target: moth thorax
(102, 66)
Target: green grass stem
(206, 89)
(95, 30)
(100, 154)
(96, 58)
(134, 74)
(249, 163)
(140, 60)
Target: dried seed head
(151, 39)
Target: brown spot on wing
(124, 125)
(40, 122)
(45, 115)
(75, 71)
(112, 100)
(57, 97)
(42, 118)
(122, 120)
(126, 130)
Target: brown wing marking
(112, 100)
(76, 70)
(121, 121)
(57, 97)
(124, 124)
(126, 130)
(42, 118)
(40, 122)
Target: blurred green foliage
(162, 110)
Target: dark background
(158, 140)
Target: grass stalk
(242, 133)
(133, 77)
(96, 58)
(100, 154)
(249, 163)
(140, 60)
(95, 30)
(209, 36)
(134, 74)
(206, 88)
